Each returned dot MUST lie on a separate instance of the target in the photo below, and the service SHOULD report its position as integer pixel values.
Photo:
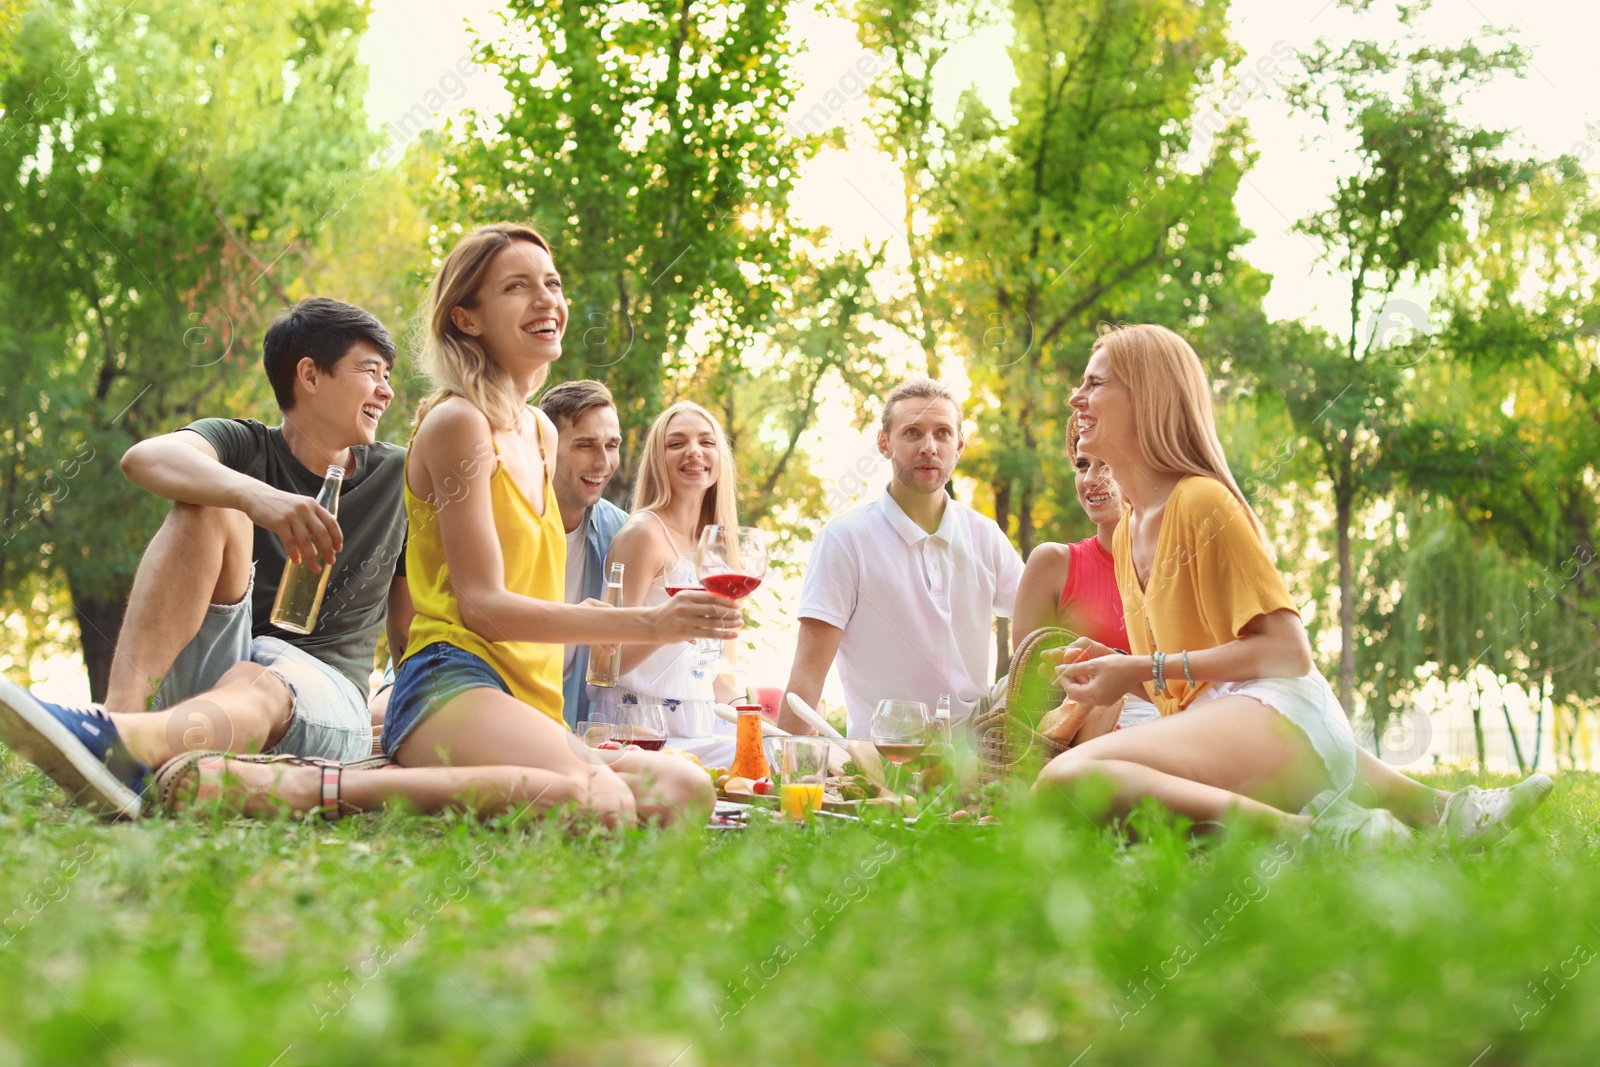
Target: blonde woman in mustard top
(1212, 630)
(474, 721)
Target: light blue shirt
(601, 524)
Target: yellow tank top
(534, 550)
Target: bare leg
(266, 789)
(200, 556)
(1231, 756)
(1379, 785)
(487, 728)
(248, 711)
(378, 707)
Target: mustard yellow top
(534, 549)
(1211, 576)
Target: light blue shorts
(328, 715)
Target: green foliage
(1087, 206)
(644, 139)
(388, 940)
(1398, 216)
(159, 173)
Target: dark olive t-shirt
(372, 518)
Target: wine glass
(641, 726)
(731, 560)
(681, 576)
(900, 731)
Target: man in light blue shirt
(586, 457)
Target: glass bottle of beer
(605, 661)
(300, 589)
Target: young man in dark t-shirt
(198, 665)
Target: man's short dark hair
(567, 402)
(322, 329)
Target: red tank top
(1091, 603)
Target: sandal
(172, 779)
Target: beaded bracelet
(1158, 661)
(1186, 675)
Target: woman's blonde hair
(654, 490)
(1172, 411)
(453, 358)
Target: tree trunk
(1516, 746)
(1025, 524)
(1344, 503)
(99, 622)
(1002, 630)
(1477, 728)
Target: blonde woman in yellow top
(1211, 628)
(475, 720)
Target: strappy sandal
(171, 781)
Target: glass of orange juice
(805, 770)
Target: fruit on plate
(762, 787)
(737, 784)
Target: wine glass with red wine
(900, 731)
(680, 577)
(731, 560)
(641, 726)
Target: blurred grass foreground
(394, 940)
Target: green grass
(410, 941)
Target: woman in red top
(1075, 586)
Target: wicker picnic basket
(1003, 734)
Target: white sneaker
(1483, 816)
(1344, 826)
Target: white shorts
(1136, 711)
(1310, 704)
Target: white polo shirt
(917, 609)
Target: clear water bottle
(300, 589)
(605, 661)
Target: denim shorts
(328, 714)
(426, 681)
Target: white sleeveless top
(679, 676)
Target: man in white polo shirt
(904, 589)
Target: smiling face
(923, 442)
(689, 451)
(519, 312)
(1105, 414)
(1097, 492)
(351, 398)
(586, 457)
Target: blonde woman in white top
(686, 482)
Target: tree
(1090, 204)
(157, 172)
(1395, 219)
(645, 139)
